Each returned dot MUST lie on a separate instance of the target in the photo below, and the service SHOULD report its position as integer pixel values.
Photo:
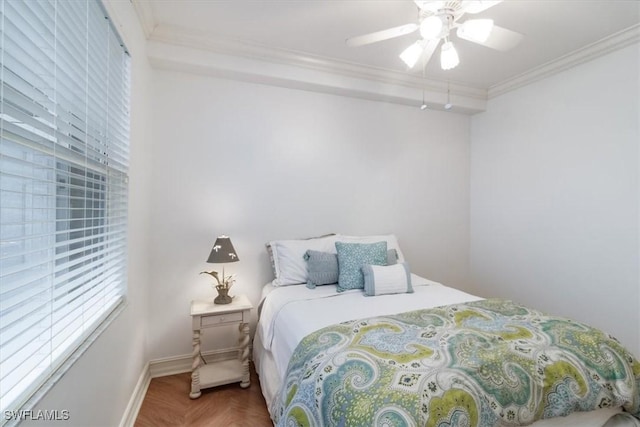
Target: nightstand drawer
(220, 319)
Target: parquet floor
(167, 404)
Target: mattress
(288, 314)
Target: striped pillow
(387, 279)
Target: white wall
(554, 195)
(97, 388)
(554, 199)
(260, 163)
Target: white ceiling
(552, 29)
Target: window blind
(64, 150)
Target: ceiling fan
(437, 19)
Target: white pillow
(387, 279)
(392, 242)
(287, 256)
(289, 265)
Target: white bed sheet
(289, 313)
(281, 329)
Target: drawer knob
(222, 319)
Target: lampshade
(411, 54)
(431, 27)
(448, 56)
(222, 251)
(477, 30)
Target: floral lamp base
(223, 297)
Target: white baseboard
(131, 412)
(161, 368)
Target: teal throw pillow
(322, 268)
(351, 258)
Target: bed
(431, 355)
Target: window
(64, 131)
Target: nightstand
(206, 314)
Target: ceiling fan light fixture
(411, 54)
(431, 27)
(448, 56)
(477, 30)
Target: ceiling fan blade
(430, 5)
(475, 30)
(379, 36)
(500, 39)
(477, 6)
(428, 51)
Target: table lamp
(222, 253)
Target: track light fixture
(424, 104)
(448, 106)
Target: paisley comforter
(483, 363)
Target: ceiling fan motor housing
(436, 24)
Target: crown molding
(471, 99)
(146, 16)
(206, 41)
(178, 49)
(232, 67)
(602, 47)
